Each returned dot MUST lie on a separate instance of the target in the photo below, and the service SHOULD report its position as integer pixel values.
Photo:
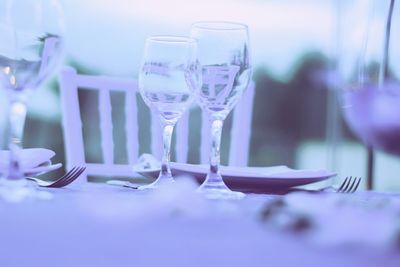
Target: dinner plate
(42, 169)
(34, 161)
(248, 179)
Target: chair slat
(241, 129)
(205, 139)
(182, 138)
(71, 119)
(131, 123)
(156, 136)
(106, 127)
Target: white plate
(34, 161)
(29, 158)
(42, 169)
(249, 179)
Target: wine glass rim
(219, 25)
(171, 39)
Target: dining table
(96, 224)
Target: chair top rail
(105, 83)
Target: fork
(349, 185)
(66, 179)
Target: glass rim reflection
(170, 39)
(220, 25)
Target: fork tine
(346, 186)
(356, 186)
(67, 179)
(60, 182)
(344, 183)
(67, 174)
(350, 188)
(75, 176)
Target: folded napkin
(30, 158)
(147, 162)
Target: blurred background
(297, 118)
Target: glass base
(162, 181)
(215, 188)
(19, 190)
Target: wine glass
(31, 44)
(223, 52)
(169, 69)
(369, 70)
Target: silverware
(66, 179)
(349, 185)
(122, 183)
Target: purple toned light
(374, 115)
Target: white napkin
(146, 162)
(30, 158)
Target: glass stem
(385, 63)
(16, 122)
(168, 129)
(216, 132)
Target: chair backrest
(71, 82)
(239, 147)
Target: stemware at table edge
(368, 70)
(223, 52)
(169, 69)
(31, 45)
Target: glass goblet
(223, 52)
(31, 44)
(369, 70)
(168, 71)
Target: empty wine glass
(369, 70)
(31, 44)
(223, 52)
(169, 68)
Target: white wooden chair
(71, 82)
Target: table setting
(179, 213)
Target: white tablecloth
(101, 225)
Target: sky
(108, 35)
